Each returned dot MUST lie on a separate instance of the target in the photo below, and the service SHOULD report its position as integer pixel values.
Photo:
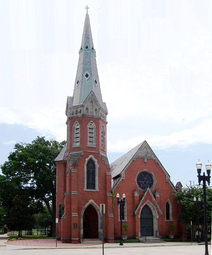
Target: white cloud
(184, 138)
(10, 142)
(46, 120)
(154, 68)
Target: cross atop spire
(86, 8)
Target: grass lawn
(14, 238)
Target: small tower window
(91, 134)
(103, 138)
(86, 46)
(76, 134)
(87, 75)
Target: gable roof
(62, 155)
(142, 150)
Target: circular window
(145, 180)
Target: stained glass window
(144, 180)
(91, 174)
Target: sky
(154, 61)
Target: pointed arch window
(76, 134)
(168, 211)
(60, 211)
(124, 217)
(91, 134)
(91, 175)
(103, 138)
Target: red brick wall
(128, 186)
(83, 134)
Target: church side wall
(60, 190)
(161, 192)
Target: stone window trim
(91, 202)
(91, 134)
(103, 138)
(155, 217)
(96, 174)
(76, 135)
(153, 177)
(125, 213)
(168, 214)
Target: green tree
(2, 216)
(43, 219)
(17, 203)
(188, 211)
(30, 173)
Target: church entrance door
(146, 222)
(90, 223)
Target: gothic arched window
(91, 175)
(168, 211)
(91, 134)
(103, 138)
(76, 134)
(60, 211)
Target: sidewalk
(51, 244)
(48, 247)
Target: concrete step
(91, 241)
(150, 239)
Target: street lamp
(197, 205)
(204, 179)
(121, 204)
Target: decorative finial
(86, 8)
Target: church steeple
(87, 78)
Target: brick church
(85, 179)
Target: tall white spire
(87, 78)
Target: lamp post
(121, 204)
(197, 205)
(204, 178)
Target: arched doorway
(90, 223)
(146, 221)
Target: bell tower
(86, 101)
(83, 171)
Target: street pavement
(48, 247)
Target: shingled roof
(62, 155)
